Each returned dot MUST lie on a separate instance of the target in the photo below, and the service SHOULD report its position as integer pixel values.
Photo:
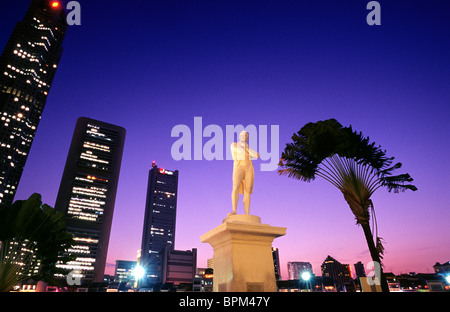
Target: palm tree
(33, 240)
(356, 167)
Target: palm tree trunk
(375, 255)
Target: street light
(306, 276)
(138, 272)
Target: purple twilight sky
(151, 65)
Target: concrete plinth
(243, 259)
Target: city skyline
(157, 65)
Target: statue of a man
(243, 172)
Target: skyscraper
(88, 191)
(159, 222)
(27, 67)
(341, 273)
(276, 263)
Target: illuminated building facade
(27, 67)
(296, 268)
(87, 194)
(210, 263)
(159, 222)
(208, 280)
(124, 271)
(340, 273)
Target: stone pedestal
(243, 259)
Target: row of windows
(88, 198)
(85, 249)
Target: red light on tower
(54, 4)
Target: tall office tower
(88, 192)
(159, 222)
(276, 263)
(27, 67)
(295, 269)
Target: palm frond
(325, 149)
(397, 183)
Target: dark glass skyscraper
(159, 222)
(87, 194)
(276, 263)
(27, 67)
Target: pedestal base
(243, 259)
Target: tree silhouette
(346, 159)
(33, 240)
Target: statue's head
(243, 136)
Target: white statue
(243, 172)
